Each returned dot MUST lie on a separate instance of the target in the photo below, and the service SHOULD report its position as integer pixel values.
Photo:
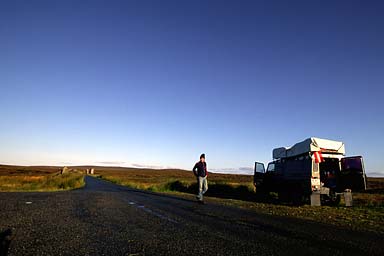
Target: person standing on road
(201, 173)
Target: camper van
(313, 166)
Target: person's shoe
(201, 202)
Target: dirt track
(106, 219)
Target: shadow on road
(5, 241)
(218, 190)
(223, 191)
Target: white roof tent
(310, 145)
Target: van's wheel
(259, 189)
(260, 193)
(297, 198)
(284, 196)
(297, 195)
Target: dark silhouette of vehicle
(311, 167)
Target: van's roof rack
(310, 145)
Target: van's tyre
(284, 196)
(261, 193)
(297, 198)
(259, 189)
(296, 195)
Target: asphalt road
(106, 219)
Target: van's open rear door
(352, 175)
(259, 174)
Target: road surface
(107, 219)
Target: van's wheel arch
(297, 194)
(292, 193)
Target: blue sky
(156, 83)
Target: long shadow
(223, 191)
(218, 190)
(5, 241)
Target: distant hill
(19, 170)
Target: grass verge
(40, 183)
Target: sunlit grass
(228, 186)
(51, 182)
(162, 179)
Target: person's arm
(206, 170)
(194, 169)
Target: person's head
(202, 157)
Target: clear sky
(156, 83)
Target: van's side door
(259, 173)
(352, 174)
(272, 179)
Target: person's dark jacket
(200, 169)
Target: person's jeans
(203, 186)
